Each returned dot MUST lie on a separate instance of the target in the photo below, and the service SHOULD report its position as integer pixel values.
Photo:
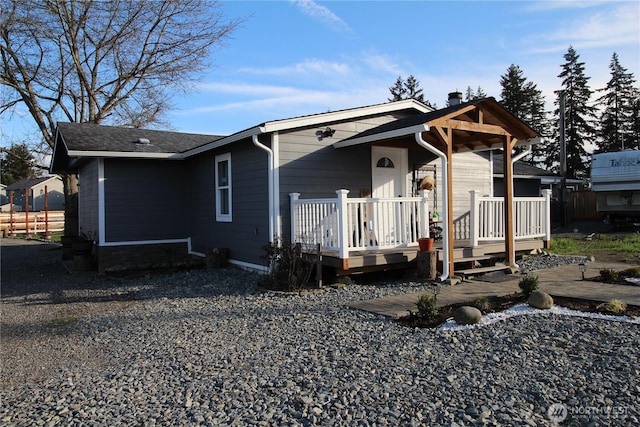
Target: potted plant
(425, 244)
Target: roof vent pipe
(455, 98)
(143, 141)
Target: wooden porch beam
(509, 241)
(477, 127)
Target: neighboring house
(42, 192)
(528, 180)
(3, 195)
(166, 193)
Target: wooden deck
(388, 259)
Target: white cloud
(613, 25)
(381, 62)
(322, 14)
(307, 67)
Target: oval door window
(385, 162)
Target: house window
(223, 187)
(385, 162)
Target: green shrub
(289, 268)
(427, 305)
(609, 275)
(614, 306)
(528, 285)
(482, 304)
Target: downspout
(517, 157)
(445, 197)
(269, 151)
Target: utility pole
(563, 159)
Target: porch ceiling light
(327, 133)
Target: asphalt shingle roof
(92, 137)
(28, 183)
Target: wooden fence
(582, 205)
(31, 222)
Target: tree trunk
(71, 223)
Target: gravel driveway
(204, 348)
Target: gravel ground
(204, 348)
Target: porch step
(470, 272)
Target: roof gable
(317, 120)
(478, 125)
(31, 182)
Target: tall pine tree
(579, 118)
(407, 89)
(619, 104)
(525, 101)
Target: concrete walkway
(564, 281)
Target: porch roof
(477, 125)
(481, 124)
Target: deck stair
(471, 272)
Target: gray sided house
(41, 192)
(346, 180)
(145, 194)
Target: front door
(389, 172)
(388, 180)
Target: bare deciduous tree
(113, 62)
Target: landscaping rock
(467, 315)
(541, 300)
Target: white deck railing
(532, 217)
(345, 225)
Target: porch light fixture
(583, 267)
(327, 133)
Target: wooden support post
(47, 235)
(319, 265)
(11, 232)
(509, 243)
(449, 201)
(26, 213)
(426, 263)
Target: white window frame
(223, 217)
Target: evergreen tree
(398, 90)
(16, 164)
(617, 121)
(470, 95)
(525, 101)
(408, 89)
(579, 118)
(413, 89)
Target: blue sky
(293, 58)
(304, 57)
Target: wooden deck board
(399, 258)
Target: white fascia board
(248, 133)
(335, 116)
(384, 135)
(125, 155)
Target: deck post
(547, 217)
(474, 220)
(424, 216)
(293, 197)
(343, 238)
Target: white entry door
(388, 180)
(389, 172)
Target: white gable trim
(384, 135)
(312, 120)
